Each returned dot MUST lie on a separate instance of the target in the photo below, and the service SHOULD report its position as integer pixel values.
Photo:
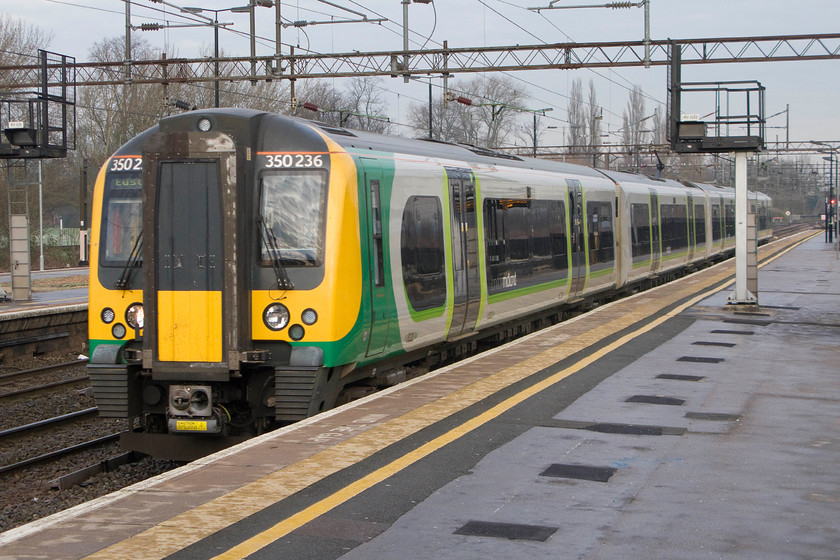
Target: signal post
(688, 134)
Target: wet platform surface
(666, 425)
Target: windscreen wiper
(270, 242)
(124, 282)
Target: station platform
(44, 300)
(663, 425)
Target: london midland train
(250, 269)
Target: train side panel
(420, 246)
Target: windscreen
(122, 217)
(293, 209)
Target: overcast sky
(810, 88)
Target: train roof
(358, 140)
(363, 140)
(637, 179)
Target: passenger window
(717, 223)
(674, 227)
(640, 231)
(700, 224)
(525, 242)
(601, 248)
(422, 252)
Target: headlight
(135, 316)
(118, 330)
(276, 316)
(108, 315)
(296, 332)
(309, 316)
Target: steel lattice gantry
(445, 60)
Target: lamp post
(831, 203)
(537, 112)
(216, 24)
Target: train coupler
(192, 411)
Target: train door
(188, 248)
(655, 232)
(692, 232)
(577, 227)
(379, 310)
(465, 266)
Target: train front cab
(244, 300)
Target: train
(251, 269)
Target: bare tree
(448, 120)
(368, 109)
(501, 98)
(658, 126)
(360, 106)
(319, 100)
(19, 44)
(108, 116)
(271, 96)
(489, 119)
(594, 122)
(632, 130)
(578, 119)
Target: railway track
(36, 439)
(28, 396)
(49, 422)
(30, 383)
(51, 439)
(59, 453)
(782, 231)
(25, 373)
(55, 452)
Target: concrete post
(741, 295)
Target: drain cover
(625, 429)
(580, 472)
(755, 322)
(752, 314)
(700, 360)
(723, 344)
(513, 531)
(656, 399)
(724, 331)
(675, 377)
(714, 416)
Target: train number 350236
(285, 161)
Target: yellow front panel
(189, 326)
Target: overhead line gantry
(444, 61)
